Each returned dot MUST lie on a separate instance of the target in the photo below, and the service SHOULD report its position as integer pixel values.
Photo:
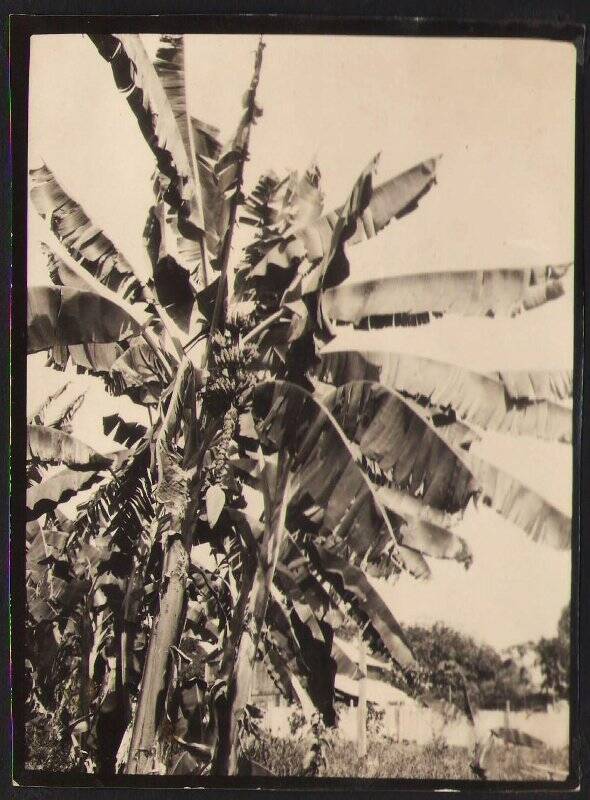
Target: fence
(413, 723)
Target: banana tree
(278, 476)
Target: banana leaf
(46, 496)
(85, 242)
(65, 316)
(506, 401)
(175, 183)
(332, 498)
(503, 292)
(126, 433)
(497, 488)
(351, 582)
(429, 456)
(389, 200)
(169, 64)
(52, 446)
(404, 446)
(57, 411)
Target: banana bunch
(219, 465)
(231, 373)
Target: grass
(45, 749)
(387, 759)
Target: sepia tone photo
(300, 323)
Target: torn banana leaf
(52, 446)
(46, 496)
(65, 316)
(331, 496)
(83, 240)
(511, 402)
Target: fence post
(361, 739)
(507, 714)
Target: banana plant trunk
(240, 679)
(143, 751)
(145, 742)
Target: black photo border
(337, 19)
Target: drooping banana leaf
(93, 358)
(365, 602)
(98, 357)
(432, 540)
(539, 518)
(322, 581)
(538, 385)
(295, 581)
(480, 292)
(485, 400)
(136, 373)
(82, 239)
(332, 499)
(404, 446)
(137, 365)
(414, 563)
(500, 490)
(284, 677)
(408, 506)
(401, 437)
(52, 446)
(46, 496)
(126, 433)
(65, 316)
(307, 656)
(294, 578)
(426, 530)
(319, 584)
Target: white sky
(502, 114)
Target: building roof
(377, 691)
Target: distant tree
(554, 658)
(491, 679)
(563, 638)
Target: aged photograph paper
(299, 406)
